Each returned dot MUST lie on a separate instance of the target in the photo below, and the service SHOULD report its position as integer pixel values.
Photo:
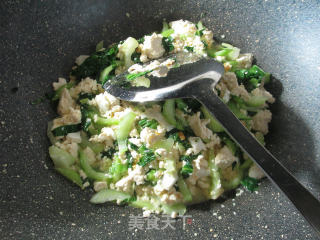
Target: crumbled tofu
(196, 145)
(79, 60)
(224, 158)
(230, 79)
(73, 117)
(71, 148)
(91, 156)
(244, 60)
(135, 174)
(60, 83)
(106, 101)
(66, 103)
(264, 93)
(199, 126)
(99, 185)
(183, 27)
(150, 136)
(155, 113)
(152, 47)
(87, 85)
(107, 136)
(74, 137)
(200, 170)
(261, 121)
(256, 172)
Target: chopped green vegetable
(147, 155)
(180, 208)
(61, 158)
(105, 74)
(109, 153)
(252, 78)
(99, 46)
(117, 169)
(37, 101)
(65, 129)
(95, 147)
(50, 135)
(165, 26)
(215, 189)
(182, 105)
(58, 92)
(189, 49)
(183, 188)
(214, 125)
(90, 172)
(135, 57)
(164, 143)
(175, 135)
(151, 177)
(124, 128)
(250, 183)
(105, 122)
(187, 168)
(72, 175)
(107, 195)
(93, 65)
(167, 32)
(127, 49)
(133, 76)
(169, 111)
(167, 43)
(148, 123)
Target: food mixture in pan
(158, 156)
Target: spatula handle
(302, 199)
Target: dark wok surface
(39, 41)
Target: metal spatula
(197, 80)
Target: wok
(39, 42)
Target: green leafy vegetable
(151, 177)
(133, 76)
(61, 158)
(107, 195)
(109, 153)
(90, 172)
(148, 123)
(187, 168)
(135, 57)
(65, 129)
(188, 48)
(147, 155)
(167, 32)
(72, 175)
(250, 183)
(94, 64)
(125, 126)
(99, 46)
(252, 78)
(117, 169)
(167, 43)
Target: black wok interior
(39, 41)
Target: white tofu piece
(60, 83)
(150, 136)
(152, 47)
(79, 60)
(66, 103)
(199, 126)
(261, 121)
(245, 60)
(196, 145)
(264, 93)
(224, 158)
(256, 172)
(99, 185)
(74, 137)
(106, 101)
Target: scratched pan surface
(39, 41)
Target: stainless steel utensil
(197, 80)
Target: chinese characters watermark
(155, 222)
